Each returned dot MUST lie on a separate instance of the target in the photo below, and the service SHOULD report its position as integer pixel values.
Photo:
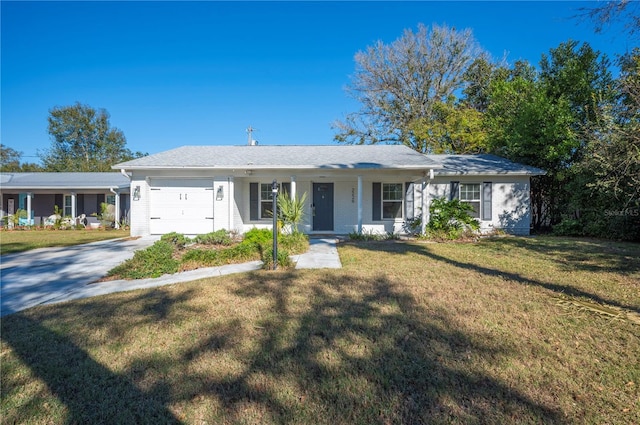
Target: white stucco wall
(510, 200)
(510, 205)
(139, 208)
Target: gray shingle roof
(482, 165)
(69, 181)
(289, 157)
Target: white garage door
(183, 206)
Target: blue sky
(199, 73)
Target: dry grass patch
(12, 241)
(404, 333)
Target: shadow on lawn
(337, 350)
(90, 391)
(584, 254)
(619, 265)
(366, 352)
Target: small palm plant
(291, 210)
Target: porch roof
(247, 157)
(63, 181)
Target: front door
(323, 206)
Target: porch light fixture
(136, 193)
(220, 193)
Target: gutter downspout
(124, 173)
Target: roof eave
(101, 187)
(279, 167)
(493, 173)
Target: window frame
(67, 209)
(384, 201)
(283, 187)
(261, 200)
(477, 212)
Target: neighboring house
(355, 188)
(73, 193)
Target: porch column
(359, 204)
(116, 214)
(230, 202)
(73, 206)
(425, 205)
(29, 196)
(293, 187)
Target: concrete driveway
(44, 275)
(52, 275)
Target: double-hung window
(470, 194)
(261, 199)
(266, 200)
(392, 194)
(67, 206)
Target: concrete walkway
(53, 275)
(322, 254)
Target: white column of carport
(230, 198)
(293, 187)
(29, 196)
(73, 206)
(359, 204)
(425, 201)
(116, 213)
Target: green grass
(12, 241)
(404, 333)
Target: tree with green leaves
(541, 118)
(455, 128)
(527, 126)
(10, 161)
(83, 140)
(610, 169)
(581, 76)
(401, 85)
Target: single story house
(350, 188)
(73, 193)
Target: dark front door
(323, 206)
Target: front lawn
(512, 330)
(12, 241)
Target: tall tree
(541, 119)
(610, 170)
(455, 128)
(10, 161)
(528, 126)
(400, 84)
(627, 11)
(580, 75)
(83, 140)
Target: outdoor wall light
(136, 193)
(220, 193)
